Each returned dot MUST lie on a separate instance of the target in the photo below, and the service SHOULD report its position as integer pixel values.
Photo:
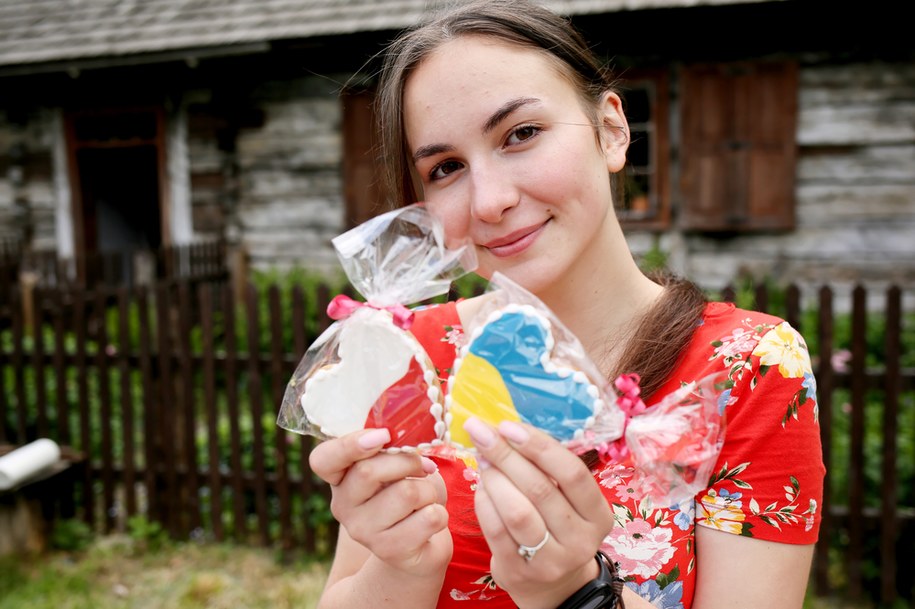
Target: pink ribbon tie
(342, 306)
(632, 405)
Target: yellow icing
(478, 390)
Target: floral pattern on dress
(485, 586)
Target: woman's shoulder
(723, 314)
(730, 334)
(725, 322)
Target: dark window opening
(643, 201)
(119, 190)
(116, 177)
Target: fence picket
(82, 381)
(4, 406)
(186, 405)
(150, 425)
(128, 432)
(825, 387)
(103, 390)
(22, 415)
(257, 412)
(60, 371)
(856, 464)
(889, 477)
(231, 372)
(38, 368)
(165, 416)
(205, 300)
(278, 376)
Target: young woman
(498, 117)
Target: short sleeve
(768, 481)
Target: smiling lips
(515, 242)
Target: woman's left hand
(530, 486)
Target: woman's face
(507, 156)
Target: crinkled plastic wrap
(367, 369)
(520, 363)
(675, 444)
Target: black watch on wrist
(604, 592)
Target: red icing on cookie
(404, 409)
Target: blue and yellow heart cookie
(507, 371)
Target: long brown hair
(662, 333)
(665, 330)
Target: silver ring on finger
(528, 552)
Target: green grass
(114, 573)
(121, 572)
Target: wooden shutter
(738, 146)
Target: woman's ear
(614, 130)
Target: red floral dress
(767, 483)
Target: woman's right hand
(392, 504)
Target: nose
(493, 192)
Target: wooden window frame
(654, 214)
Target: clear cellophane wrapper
(367, 370)
(520, 363)
(670, 449)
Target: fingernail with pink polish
(481, 433)
(513, 432)
(375, 438)
(429, 465)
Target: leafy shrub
(71, 535)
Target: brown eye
(444, 169)
(522, 134)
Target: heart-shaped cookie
(383, 378)
(507, 371)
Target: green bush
(148, 535)
(71, 535)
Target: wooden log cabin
(771, 139)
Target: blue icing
(514, 345)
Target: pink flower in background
(840, 360)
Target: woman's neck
(602, 301)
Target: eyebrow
(507, 108)
(495, 118)
(430, 150)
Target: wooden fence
(172, 393)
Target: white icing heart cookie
(384, 378)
